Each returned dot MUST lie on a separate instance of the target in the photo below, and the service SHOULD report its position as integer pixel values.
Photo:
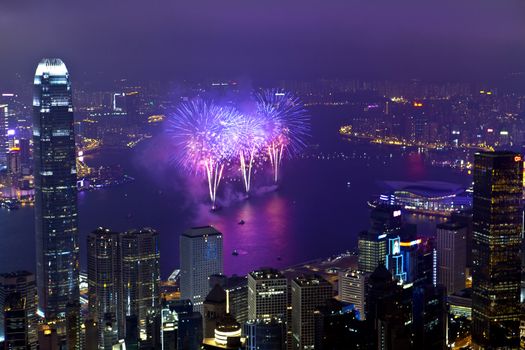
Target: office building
(267, 295)
(200, 257)
(385, 221)
(17, 323)
(55, 189)
(267, 334)
(141, 278)
(388, 311)
(23, 284)
(429, 317)
(104, 280)
(337, 326)
(352, 284)
(190, 331)
(308, 294)
(497, 239)
(451, 239)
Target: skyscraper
(497, 229)
(104, 280)
(55, 189)
(267, 295)
(451, 255)
(265, 334)
(352, 285)
(309, 293)
(17, 314)
(385, 220)
(141, 277)
(200, 257)
(23, 283)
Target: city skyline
(296, 175)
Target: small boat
(241, 222)
(235, 252)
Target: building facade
(267, 295)
(309, 293)
(451, 255)
(200, 257)
(497, 230)
(55, 189)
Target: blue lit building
(200, 257)
(55, 189)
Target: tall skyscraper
(309, 293)
(265, 334)
(200, 257)
(497, 230)
(385, 221)
(55, 189)
(352, 285)
(451, 255)
(23, 283)
(17, 314)
(267, 295)
(141, 278)
(105, 280)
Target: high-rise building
(267, 295)
(451, 240)
(308, 294)
(4, 144)
(352, 284)
(429, 317)
(55, 189)
(23, 284)
(385, 221)
(200, 257)
(265, 334)
(388, 311)
(337, 326)
(497, 230)
(105, 280)
(141, 278)
(190, 331)
(17, 315)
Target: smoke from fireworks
(286, 125)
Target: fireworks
(209, 136)
(286, 125)
(205, 134)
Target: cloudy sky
(266, 39)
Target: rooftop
(202, 231)
(51, 66)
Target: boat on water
(235, 252)
(241, 222)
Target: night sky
(266, 39)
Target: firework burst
(285, 125)
(206, 136)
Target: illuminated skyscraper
(267, 295)
(141, 278)
(496, 275)
(104, 280)
(451, 255)
(55, 189)
(200, 257)
(385, 220)
(352, 285)
(23, 284)
(309, 293)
